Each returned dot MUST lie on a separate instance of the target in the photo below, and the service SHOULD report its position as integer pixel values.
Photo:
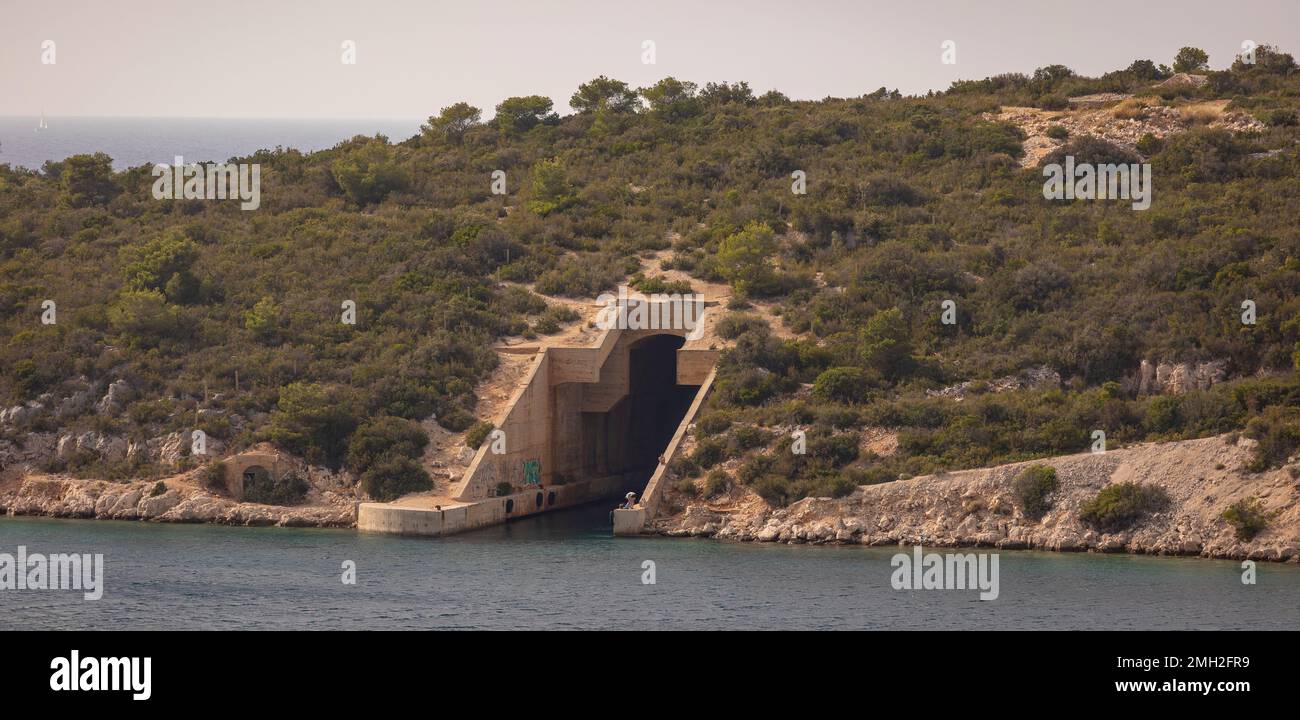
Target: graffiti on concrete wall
(532, 472)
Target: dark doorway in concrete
(631, 437)
(657, 402)
(256, 482)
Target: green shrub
(504, 488)
(712, 424)
(832, 485)
(562, 313)
(1191, 60)
(1056, 132)
(584, 276)
(870, 475)
(708, 453)
(746, 437)
(683, 466)
(656, 284)
(289, 489)
(750, 387)
(1163, 414)
(834, 450)
(1247, 518)
(686, 486)
(753, 468)
(553, 317)
(839, 416)
(886, 343)
(546, 326)
(212, 477)
(733, 325)
(744, 260)
(1089, 149)
(1276, 432)
(1281, 117)
(369, 174)
(1033, 488)
(477, 434)
(1149, 144)
(393, 476)
(774, 489)
(1053, 102)
(456, 419)
(158, 489)
(384, 435)
(314, 420)
(716, 484)
(1119, 506)
(842, 384)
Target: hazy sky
(282, 58)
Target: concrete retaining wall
(558, 399)
(405, 520)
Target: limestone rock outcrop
(1177, 378)
(179, 501)
(978, 507)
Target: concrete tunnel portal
(588, 424)
(631, 437)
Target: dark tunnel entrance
(630, 438)
(657, 402)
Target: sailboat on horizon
(43, 125)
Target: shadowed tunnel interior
(635, 432)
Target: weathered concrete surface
(415, 520)
(273, 461)
(570, 423)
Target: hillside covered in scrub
(175, 315)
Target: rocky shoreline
(180, 502)
(977, 508)
(971, 508)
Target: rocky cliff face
(24, 445)
(1041, 377)
(1177, 378)
(978, 507)
(25, 489)
(1151, 378)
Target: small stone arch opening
(255, 481)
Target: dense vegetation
(910, 201)
(288, 489)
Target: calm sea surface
(564, 570)
(138, 141)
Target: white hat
(631, 494)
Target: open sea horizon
(135, 141)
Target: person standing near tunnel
(629, 501)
